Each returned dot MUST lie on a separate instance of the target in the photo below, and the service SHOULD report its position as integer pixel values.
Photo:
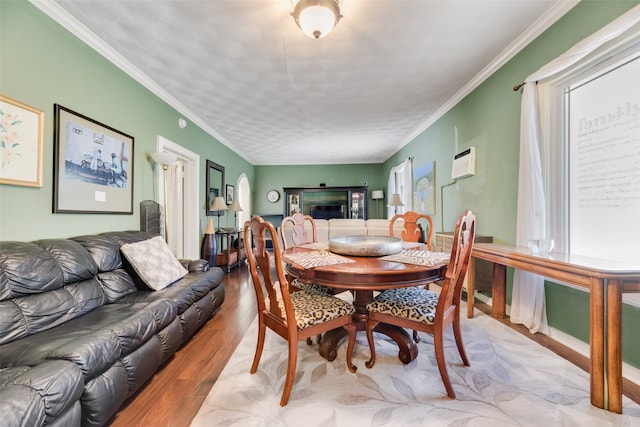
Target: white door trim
(191, 229)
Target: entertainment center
(327, 202)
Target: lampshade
(163, 158)
(219, 204)
(235, 206)
(395, 200)
(316, 18)
(377, 194)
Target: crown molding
(66, 20)
(555, 12)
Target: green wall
(277, 177)
(42, 64)
(489, 119)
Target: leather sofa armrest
(195, 265)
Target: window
(591, 155)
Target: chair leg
(351, 329)
(416, 337)
(457, 333)
(291, 372)
(371, 324)
(318, 339)
(262, 329)
(438, 343)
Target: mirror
(214, 186)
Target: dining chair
(298, 223)
(299, 235)
(427, 311)
(413, 231)
(292, 315)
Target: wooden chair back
(412, 231)
(451, 291)
(299, 235)
(267, 273)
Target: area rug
(512, 381)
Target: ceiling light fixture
(316, 18)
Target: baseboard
(629, 372)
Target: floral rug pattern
(512, 381)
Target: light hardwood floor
(173, 396)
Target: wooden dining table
(362, 277)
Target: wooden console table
(606, 282)
(230, 257)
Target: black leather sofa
(79, 333)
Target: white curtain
(400, 182)
(528, 304)
(175, 207)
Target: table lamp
(219, 205)
(395, 202)
(235, 208)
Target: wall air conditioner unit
(464, 163)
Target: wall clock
(273, 196)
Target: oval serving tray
(365, 245)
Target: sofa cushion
(29, 315)
(116, 284)
(153, 261)
(40, 394)
(347, 227)
(104, 250)
(26, 269)
(183, 293)
(94, 341)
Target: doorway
(244, 198)
(183, 199)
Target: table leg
(407, 348)
(597, 344)
(329, 343)
(614, 345)
(471, 287)
(499, 291)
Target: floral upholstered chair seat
(312, 288)
(312, 309)
(414, 303)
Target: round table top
(370, 273)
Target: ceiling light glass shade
(163, 158)
(316, 18)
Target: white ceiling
(243, 71)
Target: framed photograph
(93, 166)
(21, 143)
(213, 187)
(230, 190)
(424, 188)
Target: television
(326, 211)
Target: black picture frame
(229, 194)
(93, 166)
(213, 186)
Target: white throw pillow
(153, 261)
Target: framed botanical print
(21, 143)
